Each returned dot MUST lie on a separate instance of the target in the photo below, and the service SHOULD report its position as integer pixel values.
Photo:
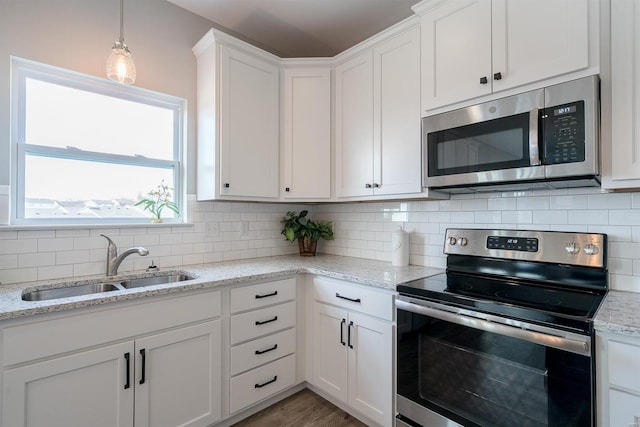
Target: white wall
(363, 230)
(215, 235)
(78, 35)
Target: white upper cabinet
(621, 98)
(306, 133)
(472, 48)
(354, 126)
(377, 118)
(238, 120)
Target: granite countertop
(619, 313)
(373, 273)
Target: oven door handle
(578, 344)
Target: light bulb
(120, 66)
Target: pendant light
(120, 66)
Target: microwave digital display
(565, 110)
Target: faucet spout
(114, 260)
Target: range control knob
(591, 249)
(462, 241)
(572, 248)
(452, 241)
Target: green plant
(299, 225)
(157, 200)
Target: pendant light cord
(121, 21)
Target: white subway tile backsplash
(36, 259)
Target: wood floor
(304, 408)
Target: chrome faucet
(114, 260)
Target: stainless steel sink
(155, 280)
(95, 288)
(69, 291)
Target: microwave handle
(534, 137)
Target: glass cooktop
(569, 309)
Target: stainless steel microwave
(546, 138)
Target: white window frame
(21, 70)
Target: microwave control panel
(564, 133)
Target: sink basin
(95, 288)
(67, 292)
(154, 280)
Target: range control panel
(585, 249)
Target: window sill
(92, 226)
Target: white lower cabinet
(353, 351)
(82, 389)
(618, 380)
(168, 378)
(263, 342)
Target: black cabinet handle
(274, 293)
(348, 299)
(258, 352)
(227, 185)
(264, 322)
(342, 332)
(376, 185)
(275, 378)
(367, 186)
(287, 189)
(349, 334)
(497, 76)
(128, 362)
(484, 80)
(143, 375)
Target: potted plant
(157, 200)
(308, 232)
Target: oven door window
(482, 378)
(492, 145)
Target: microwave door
(499, 150)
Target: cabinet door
(307, 133)
(371, 367)
(624, 409)
(623, 146)
(249, 132)
(178, 377)
(456, 52)
(82, 389)
(330, 350)
(537, 39)
(354, 127)
(396, 149)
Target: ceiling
(301, 28)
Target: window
(86, 149)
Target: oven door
(455, 366)
(487, 143)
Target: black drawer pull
(264, 322)
(358, 300)
(267, 350)
(275, 378)
(272, 294)
(128, 362)
(143, 376)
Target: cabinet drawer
(624, 365)
(257, 384)
(48, 337)
(354, 297)
(261, 322)
(262, 350)
(263, 294)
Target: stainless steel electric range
(505, 336)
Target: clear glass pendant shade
(120, 66)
